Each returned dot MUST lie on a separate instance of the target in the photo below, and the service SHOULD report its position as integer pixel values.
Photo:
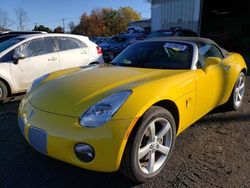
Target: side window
(65, 43)
(210, 51)
(53, 41)
(35, 47)
(7, 57)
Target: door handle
(52, 59)
(226, 68)
(84, 52)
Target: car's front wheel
(150, 145)
(3, 91)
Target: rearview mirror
(212, 61)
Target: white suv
(25, 58)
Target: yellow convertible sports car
(125, 115)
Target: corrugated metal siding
(176, 13)
(156, 17)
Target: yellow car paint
(193, 92)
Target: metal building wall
(176, 13)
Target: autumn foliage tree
(106, 21)
(58, 29)
(42, 28)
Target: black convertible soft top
(200, 42)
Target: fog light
(84, 152)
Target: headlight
(103, 111)
(37, 81)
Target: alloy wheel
(239, 91)
(155, 145)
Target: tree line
(106, 21)
(100, 22)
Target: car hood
(75, 91)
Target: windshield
(159, 55)
(8, 43)
(159, 34)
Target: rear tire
(150, 145)
(3, 91)
(237, 95)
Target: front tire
(3, 91)
(237, 95)
(150, 145)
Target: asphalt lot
(214, 152)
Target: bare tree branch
(21, 17)
(5, 20)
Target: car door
(72, 52)
(40, 58)
(210, 81)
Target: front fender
(237, 64)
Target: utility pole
(63, 20)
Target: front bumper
(56, 136)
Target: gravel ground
(214, 152)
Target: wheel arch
(166, 104)
(244, 70)
(172, 108)
(7, 85)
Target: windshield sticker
(175, 46)
(125, 61)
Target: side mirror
(212, 61)
(17, 56)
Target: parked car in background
(27, 57)
(177, 32)
(128, 119)
(118, 43)
(100, 40)
(11, 34)
(135, 29)
(140, 26)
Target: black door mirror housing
(17, 56)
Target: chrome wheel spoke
(241, 87)
(152, 131)
(163, 149)
(144, 151)
(236, 97)
(240, 97)
(164, 131)
(151, 162)
(240, 81)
